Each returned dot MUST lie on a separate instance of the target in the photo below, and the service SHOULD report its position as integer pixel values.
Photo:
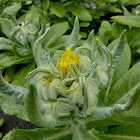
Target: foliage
(81, 86)
(76, 93)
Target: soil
(11, 123)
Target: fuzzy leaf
(40, 134)
(12, 108)
(125, 85)
(73, 39)
(80, 132)
(116, 53)
(16, 93)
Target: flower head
(66, 58)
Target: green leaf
(12, 10)
(40, 134)
(125, 132)
(33, 17)
(10, 107)
(114, 9)
(105, 32)
(80, 12)
(8, 59)
(133, 20)
(19, 78)
(6, 26)
(116, 53)
(80, 132)
(58, 9)
(16, 93)
(73, 39)
(56, 30)
(5, 44)
(124, 86)
(84, 24)
(60, 43)
(125, 11)
(35, 110)
(123, 64)
(45, 4)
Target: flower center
(68, 57)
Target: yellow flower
(68, 57)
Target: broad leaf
(33, 17)
(55, 31)
(16, 93)
(40, 134)
(58, 9)
(133, 20)
(5, 44)
(80, 132)
(116, 53)
(124, 86)
(8, 59)
(10, 107)
(19, 77)
(12, 10)
(80, 12)
(6, 26)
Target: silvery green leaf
(73, 39)
(41, 55)
(36, 109)
(16, 93)
(64, 133)
(116, 54)
(6, 26)
(125, 85)
(80, 132)
(10, 107)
